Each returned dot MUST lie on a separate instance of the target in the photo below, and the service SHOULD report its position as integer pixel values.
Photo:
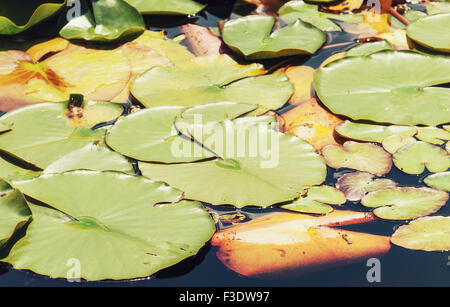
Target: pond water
(400, 267)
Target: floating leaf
(440, 181)
(14, 211)
(202, 40)
(302, 79)
(18, 16)
(343, 6)
(372, 132)
(92, 157)
(109, 20)
(369, 48)
(310, 122)
(357, 184)
(257, 167)
(433, 135)
(211, 79)
(316, 199)
(38, 51)
(429, 233)
(282, 245)
(121, 225)
(169, 7)
(10, 171)
(394, 142)
(395, 87)
(45, 132)
(405, 203)
(431, 32)
(294, 10)
(250, 36)
(364, 157)
(413, 158)
(438, 7)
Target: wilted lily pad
(169, 7)
(120, 233)
(440, 181)
(302, 79)
(18, 16)
(429, 233)
(372, 132)
(294, 10)
(316, 199)
(433, 135)
(357, 184)
(431, 32)
(396, 87)
(45, 132)
(413, 158)
(109, 20)
(14, 212)
(364, 157)
(251, 36)
(405, 203)
(211, 79)
(267, 168)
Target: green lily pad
(267, 168)
(167, 7)
(431, 32)
(433, 135)
(405, 203)
(369, 48)
(294, 10)
(212, 79)
(438, 7)
(358, 184)
(440, 181)
(92, 157)
(10, 171)
(429, 233)
(18, 16)
(45, 132)
(372, 132)
(14, 211)
(397, 87)
(413, 158)
(150, 135)
(394, 142)
(120, 233)
(316, 199)
(109, 20)
(364, 157)
(251, 37)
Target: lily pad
(440, 181)
(396, 87)
(14, 211)
(45, 132)
(405, 203)
(372, 132)
(120, 233)
(413, 158)
(394, 142)
(167, 7)
(316, 200)
(109, 20)
(211, 79)
(431, 32)
(18, 16)
(10, 171)
(429, 233)
(92, 157)
(433, 135)
(294, 10)
(357, 184)
(438, 7)
(369, 48)
(251, 37)
(364, 157)
(302, 79)
(267, 168)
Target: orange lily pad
(302, 79)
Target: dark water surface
(400, 267)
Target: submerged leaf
(360, 156)
(388, 87)
(405, 203)
(357, 184)
(440, 181)
(126, 226)
(251, 37)
(429, 233)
